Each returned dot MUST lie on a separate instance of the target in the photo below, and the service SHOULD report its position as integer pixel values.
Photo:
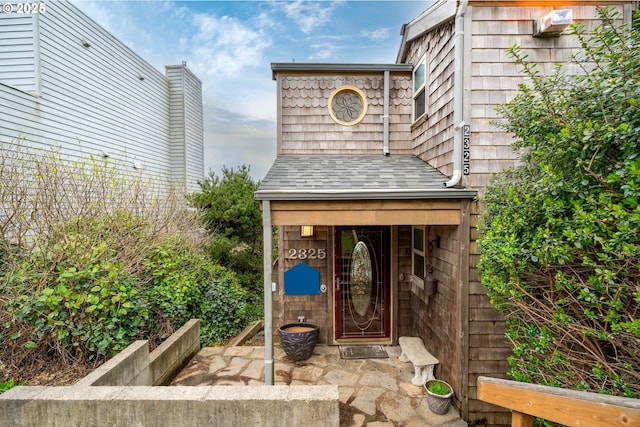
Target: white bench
(414, 351)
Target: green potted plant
(438, 396)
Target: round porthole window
(347, 105)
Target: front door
(362, 282)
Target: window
(418, 255)
(347, 105)
(420, 89)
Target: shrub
(176, 273)
(559, 241)
(74, 240)
(9, 384)
(224, 309)
(233, 219)
(87, 313)
(93, 257)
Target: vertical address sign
(466, 147)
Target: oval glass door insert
(361, 278)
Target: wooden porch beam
(410, 212)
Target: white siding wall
(19, 51)
(185, 109)
(194, 130)
(103, 95)
(177, 123)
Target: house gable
(305, 125)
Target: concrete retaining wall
(174, 353)
(105, 398)
(129, 367)
(272, 406)
(136, 366)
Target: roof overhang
(359, 190)
(438, 13)
(355, 194)
(318, 67)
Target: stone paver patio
(373, 392)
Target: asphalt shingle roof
(327, 177)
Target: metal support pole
(268, 296)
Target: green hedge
(559, 237)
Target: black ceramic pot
(298, 339)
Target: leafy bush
(224, 309)
(90, 255)
(559, 239)
(84, 313)
(76, 293)
(233, 219)
(9, 384)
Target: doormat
(362, 352)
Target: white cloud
(309, 15)
(224, 45)
(377, 34)
(323, 50)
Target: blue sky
(230, 46)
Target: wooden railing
(567, 407)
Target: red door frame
(384, 263)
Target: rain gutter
(356, 194)
(337, 68)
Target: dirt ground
(45, 372)
(256, 341)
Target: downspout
(268, 293)
(458, 81)
(385, 115)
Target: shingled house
(385, 161)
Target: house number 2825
(307, 254)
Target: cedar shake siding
(332, 174)
(490, 79)
(307, 128)
(432, 136)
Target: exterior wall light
(307, 231)
(553, 23)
